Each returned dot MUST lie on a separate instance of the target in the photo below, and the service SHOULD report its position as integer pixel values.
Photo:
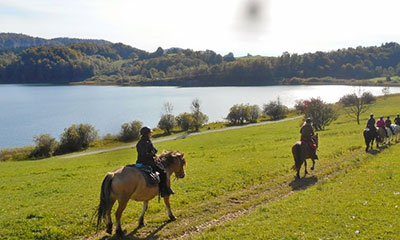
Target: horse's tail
(105, 199)
(296, 150)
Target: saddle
(152, 177)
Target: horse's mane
(167, 158)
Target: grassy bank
(362, 203)
(227, 172)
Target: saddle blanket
(152, 177)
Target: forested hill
(16, 41)
(119, 64)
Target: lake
(30, 110)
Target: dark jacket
(397, 121)
(371, 123)
(388, 123)
(307, 131)
(146, 152)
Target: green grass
(361, 204)
(226, 171)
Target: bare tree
(357, 103)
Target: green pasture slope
(243, 171)
(360, 204)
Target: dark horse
(129, 183)
(301, 151)
(369, 137)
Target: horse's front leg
(168, 206)
(141, 218)
(305, 167)
(118, 214)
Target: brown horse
(129, 183)
(301, 151)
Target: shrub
(130, 131)
(185, 121)
(368, 97)
(15, 154)
(254, 113)
(238, 114)
(320, 112)
(76, 137)
(199, 118)
(275, 109)
(45, 146)
(167, 123)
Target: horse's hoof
(172, 218)
(120, 233)
(141, 224)
(312, 168)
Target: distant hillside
(15, 40)
(88, 62)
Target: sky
(257, 27)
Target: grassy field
(239, 171)
(360, 204)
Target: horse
(396, 130)
(382, 137)
(127, 183)
(301, 151)
(369, 137)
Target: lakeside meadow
(242, 172)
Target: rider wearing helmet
(147, 155)
(388, 124)
(381, 124)
(307, 132)
(371, 123)
(397, 120)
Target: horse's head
(174, 162)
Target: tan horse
(382, 137)
(301, 151)
(129, 183)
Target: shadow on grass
(303, 183)
(131, 236)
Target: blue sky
(258, 27)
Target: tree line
(120, 64)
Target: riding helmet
(145, 130)
(308, 120)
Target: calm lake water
(29, 110)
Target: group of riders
(147, 152)
(384, 124)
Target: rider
(307, 132)
(388, 124)
(371, 123)
(397, 120)
(381, 124)
(147, 155)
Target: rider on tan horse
(307, 132)
(146, 156)
(381, 124)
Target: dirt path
(74, 155)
